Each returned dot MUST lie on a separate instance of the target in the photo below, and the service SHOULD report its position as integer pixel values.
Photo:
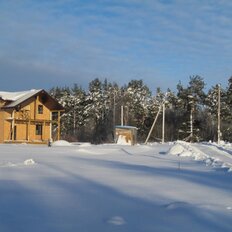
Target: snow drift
(184, 149)
(61, 143)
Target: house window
(54, 116)
(38, 129)
(40, 109)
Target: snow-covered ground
(82, 187)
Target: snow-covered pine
(74, 117)
(92, 112)
(136, 101)
(98, 108)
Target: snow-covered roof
(24, 97)
(17, 97)
(13, 96)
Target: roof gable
(17, 98)
(14, 96)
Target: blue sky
(46, 43)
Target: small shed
(126, 135)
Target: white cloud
(119, 38)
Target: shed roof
(126, 127)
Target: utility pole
(74, 118)
(156, 117)
(191, 123)
(74, 121)
(152, 127)
(114, 111)
(122, 115)
(219, 113)
(163, 126)
(191, 102)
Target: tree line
(191, 113)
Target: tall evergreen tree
(212, 101)
(228, 112)
(136, 97)
(78, 111)
(191, 100)
(98, 108)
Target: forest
(191, 113)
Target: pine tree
(135, 99)
(98, 109)
(78, 111)
(212, 109)
(66, 119)
(228, 113)
(191, 101)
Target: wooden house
(30, 116)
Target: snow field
(112, 188)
